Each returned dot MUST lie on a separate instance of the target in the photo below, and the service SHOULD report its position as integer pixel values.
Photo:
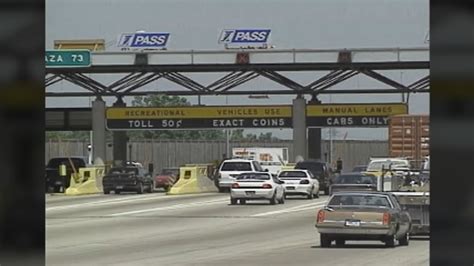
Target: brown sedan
(363, 216)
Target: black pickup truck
(127, 178)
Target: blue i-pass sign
(143, 40)
(245, 36)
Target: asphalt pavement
(201, 229)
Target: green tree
(166, 100)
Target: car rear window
(236, 166)
(292, 174)
(359, 169)
(355, 179)
(166, 171)
(253, 176)
(124, 170)
(314, 167)
(359, 200)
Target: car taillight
(304, 181)
(235, 185)
(267, 186)
(386, 218)
(321, 215)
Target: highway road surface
(201, 229)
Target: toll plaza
(144, 67)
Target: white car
(257, 186)
(231, 168)
(300, 182)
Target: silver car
(257, 186)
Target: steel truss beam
(52, 79)
(269, 92)
(139, 76)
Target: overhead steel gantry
(141, 68)
(240, 66)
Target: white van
(231, 168)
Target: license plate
(250, 193)
(290, 188)
(119, 187)
(352, 223)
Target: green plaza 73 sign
(68, 58)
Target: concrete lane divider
(86, 181)
(194, 178)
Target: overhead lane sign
(353, 115)
(215, 117)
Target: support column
(314, 136)
(98, 130)
(299, 128)
(119, 139)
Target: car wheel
(282, 200)
(106, 191)
(390, 241)
(317, 194)
(273, 199)
(325, 241)
(242, 201)
(405, 240)
(117, 192)
(340, 242)
(140, 188)
(233, 201)
(310, 195)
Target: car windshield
(314, 167)
(359, 200)
(377, 166)
(236, 166)
(359, 168)
(355, 179)
(123, 170)
(292, 174)
(253, 176)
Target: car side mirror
(266, 170)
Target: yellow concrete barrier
(87, 181)
(193, 178)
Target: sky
(295, 24)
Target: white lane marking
(173, 207)
(293, 209)
(115, 201)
